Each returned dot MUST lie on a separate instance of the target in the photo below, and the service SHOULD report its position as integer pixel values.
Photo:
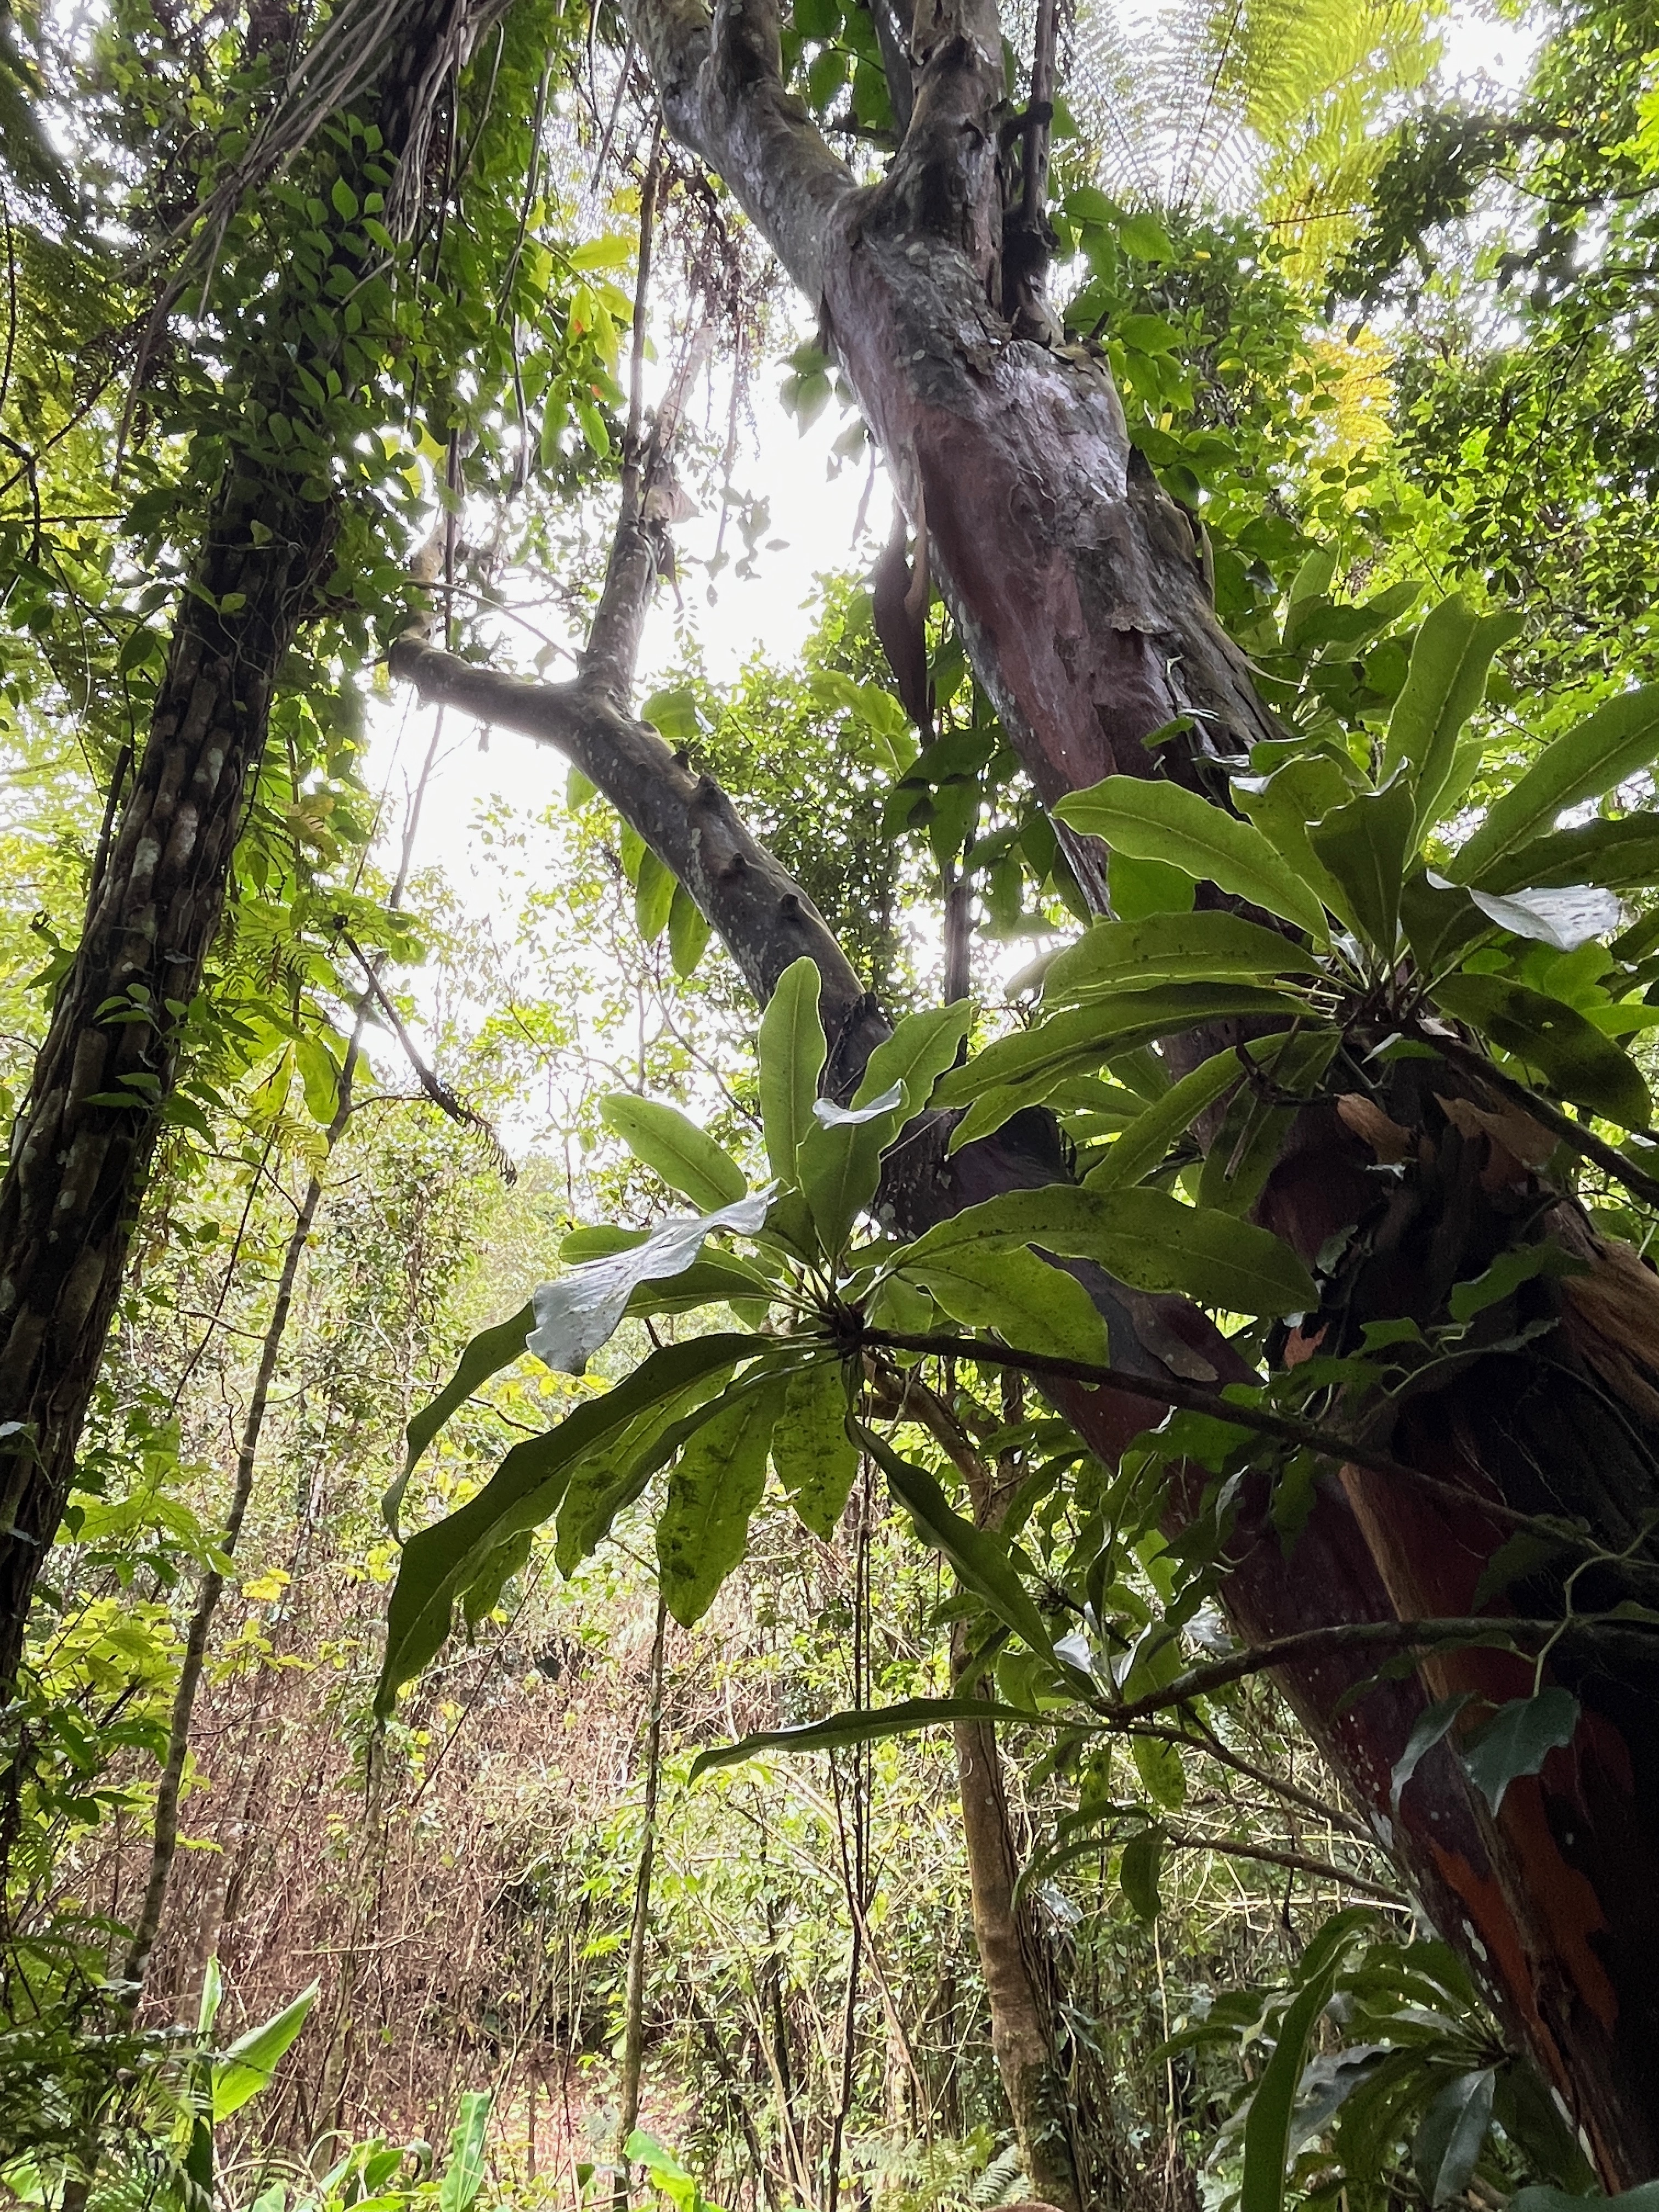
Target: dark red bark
(1077, 588)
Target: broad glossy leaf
(1033, 1306)
(717, 1279)
(1444, 684)
(815, 1458)
(688, 931)
(686, 1157)
(247, 2066)
(1521, 1263)
(1267, 2124)
(1138, 1870)
(791, 1052)
(488, 1353)
(1365, 844)
(1570, 1053)
(1616, 853)
(439, 1562)
(1105, 1028)
(1171, 948)
(1596, 754)
(464, 2174)
(1450, 2135)
(1151, 1134)
(714, 1487)
(980, 1557)
(1154, 821)
(1518, 1740)
(1283, 803)
(870, 1726)
(1143, 1237)
(1431, 1727)
(917, 1053)
(653, 896)
(1565, 918)
(583, 1309)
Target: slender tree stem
(627, 2104)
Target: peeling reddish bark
(1074, 583)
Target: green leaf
(1615, 741)
(464, 2176)
(1541, 2198)
(1144, 236)
(1138, 1870)
(917, 1053)
(870, 1726)
(1444, 684)
(581, 1310)
(1143, 1237)
(1154, 821)
(487, 1354)
(715, 1486)
(1104, 1028)
(1139, 888)
(1365, 845)
(686, 1157)
(320, 1078)
(1431, 1727)
(482, 1596)
(688, 931)
(1616, 853)
(1570, 1053)
(1162, 1776)
(1283, 803)
(717, 1279)
(791, 1052)
(980, 1559)
(815, 1458)
(247, 2066)
(1517, 1741)
(1450, 2135)
(1506, 1274)
(1034, 1306)
(1267, 2124)
(1150, 1135)
(653, 896)
(439, 1562)
(1171, 948)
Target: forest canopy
(846, 1399)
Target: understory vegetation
(892, 1440)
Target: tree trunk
(97, 1097)
(1076, 586)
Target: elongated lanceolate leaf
(1612, 853)
(1595, 755)
(1171, 948)
(1143, 1237)
(917, 1053)
(247, 2066)
(1150, 1135)
(790, 1052)
(1570, 1053)
(583, 1309)
(1030, 1304)
(1444, 684)
(981, 1559)
(1366, 843)
(815, 1457)
(490, 1351)
(1104, 1029)
(439, 1562)
(686, 1157)
(1565, 918)
(1267, 2124)
(1450, 2135)
(1155, 820)
(841, 1729)
(464, 2175)
(715, 1486)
